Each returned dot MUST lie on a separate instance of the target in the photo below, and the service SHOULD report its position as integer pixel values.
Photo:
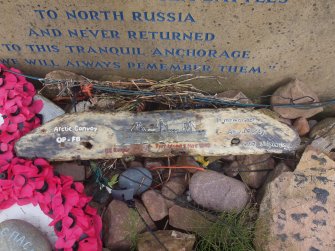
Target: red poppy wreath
(76, 224)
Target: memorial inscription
(250, 43)
(18, 235)
(158, 134)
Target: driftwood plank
(158, 134)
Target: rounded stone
(175, 187)
(218, 192)
(18, 235)
(139, 179)
(155, 204)
(253, 169)
(295, 92)
(301, 125)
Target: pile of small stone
(230, 183)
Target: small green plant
(131, 227)
(231, 232)
(114, 180)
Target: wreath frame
(76, 224)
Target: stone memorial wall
(252, 45)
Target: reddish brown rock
(189, 220)
(73, 169)
(297, 211)
(301, 125)
(169, 203)
(171, 239)
(175, 187)
(332, 155)
(155, 204)
(228, 157)
(135, 164)
(231, 169)
(312, 123)
(120, 223)
(285, 121)
(295, 92)
(52, 91)
(144, 214)
(279, 169)
(251, 167)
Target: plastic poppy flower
(7, 156)
(88, 244)
(48, 193)
(67, 242)
(81, 219)
(44, 168)
(6, 194)
(10, 81)
(24, 89)
(67, 231)
(4, 166)
(26, 182)
(8, 137)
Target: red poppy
(89, 244)
(6, 194)
(68, 231)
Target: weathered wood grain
(158, 134)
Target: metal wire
(197, 97)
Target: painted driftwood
(158, 134)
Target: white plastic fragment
(49, 110)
